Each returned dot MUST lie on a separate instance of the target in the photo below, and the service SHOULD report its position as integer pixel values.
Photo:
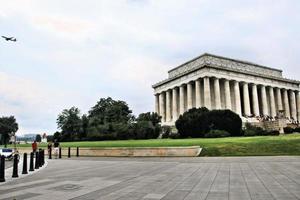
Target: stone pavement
(160, 178)
(9, 170)
(8, 163)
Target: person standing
(34, 146)
(56, 148)
(49, 147)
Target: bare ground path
(161, 178)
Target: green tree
(38, 138)
(149, 116)
(56, 136)
(50, 138)
(84, 126)
(8, 127)
(145, 130)
(69, 121)
(108, 110)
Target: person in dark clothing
(49, 147)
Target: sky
(72, 53)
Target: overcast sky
(71, 53)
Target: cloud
(71, 53)
(66, 28)
(33, 104)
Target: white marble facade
(217, 82)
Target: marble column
(168, 106)
(247, 110)
(264, 102)
(293, 105)
(255, 100)
(286, 104)
(298, 105)
(174, 104)
(207, 99)
(217, 93)
(162, 111)
(237, 98)
(279, 99)
(181, 99)
(272, 102)
(198, 93)
(189, 96)
(157, 103)
(227, 94)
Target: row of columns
(169, 108)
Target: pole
(43, 156)
(25, 164)
(59, 154)
(69, 152)
(37, 164)
(50, 153)
(2, 169)
(77, 152)
(31, 169)
(40, 158)
(15, 167)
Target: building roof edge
(226, 58)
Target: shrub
(50, 138)
(274, 133)
(257, 131)
(251, 130)
(98, 137)
(193, 123)
(157, 129)
(196, 122)
(288, 130)
(174, 136)
(145, 130)
(123, 131)
(217, 134)
(297, 129)
(165, 131)
(225, 120)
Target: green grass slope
(230, 146)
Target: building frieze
(223, 73)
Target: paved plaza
(239, 178)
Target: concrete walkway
(238, 178)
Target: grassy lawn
(230, 146)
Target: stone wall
(190, 151)
(273, 125)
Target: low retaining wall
(190, 151)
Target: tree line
(109, 119)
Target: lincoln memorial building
(216, 82)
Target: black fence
(36, 160)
